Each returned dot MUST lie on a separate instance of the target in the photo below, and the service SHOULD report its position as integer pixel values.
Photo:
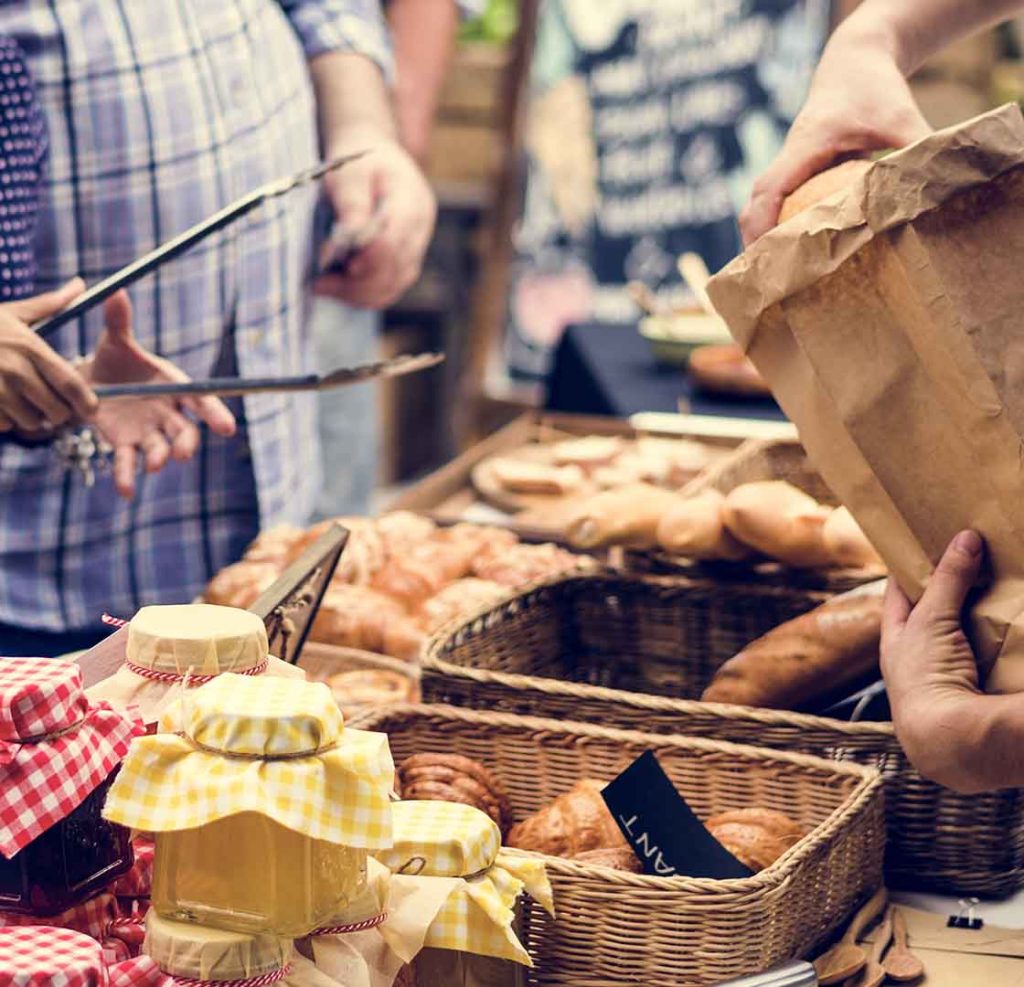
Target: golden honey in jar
(263, 805)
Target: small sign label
(662, 829)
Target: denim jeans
(349, 416)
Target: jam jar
(58, 757)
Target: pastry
(822, 185)
(574, 822)
(672, 462)
(627, 515)
(458, 599)
(409, 580)
(454, 778)
(364, 551)
(241, 584)
(806, 660)
(779, 520)
(587, 453)
(521, 477)
(725, 369)
(372, 687)
(524, 564)
(401, 530)
(618, 858)
(847, 544)
(755, 837)
(694, 527)
(274, 545)
(355, 617)
(404, 638)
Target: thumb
(954, 576)
(42, 306)
(351, 192)
(117, 315)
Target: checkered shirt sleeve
(356, 26)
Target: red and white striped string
(341, 930)
(262, 981)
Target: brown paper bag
(889, 322)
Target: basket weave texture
(636, 652)
(615, 927)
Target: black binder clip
(965, 918)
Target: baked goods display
(454, 778)
(546, 474)
(400, 578)
(769, 519)
(573, 823)
(824, 653)
(755, 837)
(368, 688)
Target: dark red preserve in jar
(58, 756)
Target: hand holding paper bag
(886, 320)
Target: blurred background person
(158, 115)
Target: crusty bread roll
(725, 369)
(779, 520)
(847, 544)
(821, 186)
(755, 837)
(694, 527)
(617, 858)
(806, 660)
(626, 515)
(573, 823)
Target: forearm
(911, 31)
(423, 35)
(353, 102)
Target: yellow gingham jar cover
(273, 746)
(440, 839)
(479, 913)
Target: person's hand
(156, 429)
(859, 102)
(386, 193)
(930, 671)
(39, 389)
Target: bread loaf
(779, 520)
(800, 663)
(573, 823)
(694, 527)
(821, 186)
(626, 515)
(755, 837)
(847, 544)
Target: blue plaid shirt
(160, 112)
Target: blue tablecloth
(602, 369)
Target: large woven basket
(618, 928)
(636, 653)
(755, 460)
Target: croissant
(573, 823)
(755, 837)
(355, 617)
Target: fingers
(953, 578)
(156, 450)
(213, 412)
(125, 460)
(117, 316)
(895, 611)
(352, 193)
(183, 436)
(66, 383)
(49, 303)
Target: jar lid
(41, 956)
(277, 747)
(242, 716)
(440, 839)
(54, 747)
(200, 637)
(197, 952)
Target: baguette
(819, 655)
(694, 527)
(847, 544)
(625, 515)
(779, 520)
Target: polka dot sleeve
(22, 157)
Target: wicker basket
(321, 661)
(615, 927)
(755, 460)
(635, 653)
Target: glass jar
(58, 758)
(250, 874)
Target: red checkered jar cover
(58, 755)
